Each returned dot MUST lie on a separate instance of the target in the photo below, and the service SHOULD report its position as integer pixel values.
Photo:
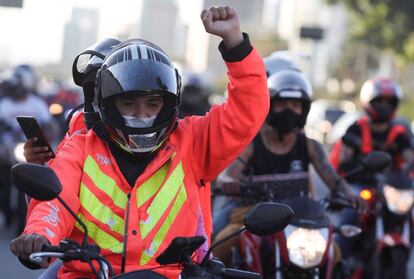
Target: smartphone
(31, 129)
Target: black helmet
(275, 63)
(27, 76)
(138, 67)
(91, 59)
(291, 84)
(19, 82)
(84, 69)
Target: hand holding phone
(36, 149)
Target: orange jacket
(168, 199)
(366, 142)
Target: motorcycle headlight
(18, 153)
(306, 247)
(55, 109)
(398, 201)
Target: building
(79, 33)
(160, 24)
(294, 14)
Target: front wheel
(392, 264)
(399, 259)
(342, 270)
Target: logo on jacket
(296, 165)
(103, 160)
(53, 217)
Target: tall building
(79, 33)
(160, 24)
(202, 50)
(294, 14)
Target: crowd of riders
(145, 154)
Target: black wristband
(238, 52)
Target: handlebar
(51, 248)
(337, 202)
(69, 250)
(38, 256)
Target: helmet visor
(153, 79)
(149, 70)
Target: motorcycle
(385, 243)
(305, 249)
(11, 151)
(41, 183)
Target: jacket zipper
(125, 235)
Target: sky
(34, 34)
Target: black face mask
(383, 112)
(284, 122)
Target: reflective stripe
(101, 238)
(98, 210)
(162, 200)
(104, 182)
(147, 255)
(152, 185)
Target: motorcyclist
(145, 159)
(19, 98)
(195, 98)
(280, 152)
(223, 205)
(377, 130)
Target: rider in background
(281, 153)
(194, 100)
(377, 130)
(19, 97)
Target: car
(323, 115)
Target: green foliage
(386, 24)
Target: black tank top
(286, 174)
(266, 162)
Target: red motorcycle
(385, 243)
(305, 249)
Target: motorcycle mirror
(41, 183)
(93, 58)
(376, 161)
(349, 231)
(268, 218)
(36, 181)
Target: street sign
(11, 3)
(314, 33)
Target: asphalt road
(10, 267)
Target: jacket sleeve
(50, 218)
(221, 135)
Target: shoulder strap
(366, 137)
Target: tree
(386, 24)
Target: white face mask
(139, 122)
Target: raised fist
(223, 22)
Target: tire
(399, 258)
(342, 270)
